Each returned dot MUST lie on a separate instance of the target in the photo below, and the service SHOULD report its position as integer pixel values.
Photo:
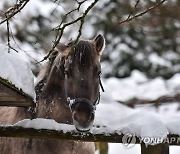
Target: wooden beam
(99, 136)
(10, 96)
(20, 132)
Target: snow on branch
(130, 17)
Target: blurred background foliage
(150, 44)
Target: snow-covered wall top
(16, 71)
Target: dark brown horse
(67, 91)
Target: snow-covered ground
(144, 120)
(138, 85)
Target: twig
(62, 28)
(8, 36)
(82, 19)
(13, 49)
(137, 2)
(142, 13)
(11, 12)
(68, 13)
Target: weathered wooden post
(156, 149)
(103, 147)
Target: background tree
(150, 43)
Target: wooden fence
(114, 137)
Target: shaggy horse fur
(79, 69)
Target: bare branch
(68, 14)
(63, 26)
(11, 12)
(137, 2)
(8, 35)
(82, 19)
(141, 14)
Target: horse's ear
(99, 43)
(61, 47)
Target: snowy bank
(16, 71)
(137, 85)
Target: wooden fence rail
(99, 136)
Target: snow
(41, 123)
(16, 70)
(141, 123)
(137, 85)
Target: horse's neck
(51, 98)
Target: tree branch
(8, 35)
(137, 2)
(141, 13)
(62, 26)
(11, 12)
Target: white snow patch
(127, 120)
(15, 70)
(41, 123)
(137, 85)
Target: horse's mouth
(81, 128)
(84, 130)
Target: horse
(67, 90)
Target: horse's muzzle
(83, 114)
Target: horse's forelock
(84, 53)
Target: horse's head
(80, 68)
